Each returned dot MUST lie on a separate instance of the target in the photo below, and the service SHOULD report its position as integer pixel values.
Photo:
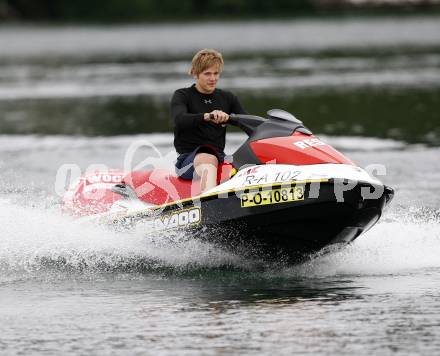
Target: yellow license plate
(274, 196)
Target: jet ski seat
(160, 186)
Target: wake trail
(42, 240)
(35, 240)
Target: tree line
(138, 10)
(144, 10)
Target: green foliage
(138, 10)
(159, 10)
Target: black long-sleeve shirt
(190, 129)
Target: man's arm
(179, 112)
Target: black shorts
(185, 161)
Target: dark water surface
(74, 289)
(212, 313)
(81, 96)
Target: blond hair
(205, 59)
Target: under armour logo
(207, 101)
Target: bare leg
(205, 165)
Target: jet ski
(283, 194)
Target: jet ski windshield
(279, 123)
(282, 115)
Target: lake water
(369, 87)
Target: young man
(200, 113)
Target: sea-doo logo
(181, 218)
(104, 178)
(310, 142)
(208, 101)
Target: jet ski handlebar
(278, 123)
(248, 123)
